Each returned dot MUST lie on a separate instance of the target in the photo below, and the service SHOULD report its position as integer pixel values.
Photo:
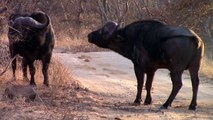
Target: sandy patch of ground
(111, 77)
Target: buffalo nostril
(89, 37)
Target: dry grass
(207, 68)
(4, 53)
(62, 100)
(67, 44)
(57, 73)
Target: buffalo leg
(32, 73)
(140, 80)
(45, 74)
(195, 84)
(12, 55)
(176, 85)
(24, 69)
(45, 67)
(193, 70)
(14, 68)
(150, 76)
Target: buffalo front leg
(12, 55)
(14, 69)
(45, 67)
(140, 80)
(24, 69)
(45, 74)
(150, 76)
(176, 85)
(32, 73)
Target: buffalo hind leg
(195, 84)
(176, 85)
(150, 76)
(140, 80)
(32, 73)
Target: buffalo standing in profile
(32, 37)
(151, 45)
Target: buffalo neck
(121, 44)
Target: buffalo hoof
(46, 84)
(148, 102)
(135, 104)
(192, 107)
(163, 107)
(137, 101)
(33, 84)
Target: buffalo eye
(104, 32)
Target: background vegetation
(73, 19)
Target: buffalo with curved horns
(32, 37)
(151, 45)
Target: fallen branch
(8, 65)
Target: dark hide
(151, 45)
(32, 37)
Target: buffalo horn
(28, 21)
(110, 27)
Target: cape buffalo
(32, 37)
(151, 45)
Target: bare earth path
(111, 77)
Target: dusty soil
(104, 89)
(111, 78)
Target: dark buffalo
(151, 45)
(32, 37)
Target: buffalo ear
(121, 24)
(110, 27)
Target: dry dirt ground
(105, 89)
(111, 78)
